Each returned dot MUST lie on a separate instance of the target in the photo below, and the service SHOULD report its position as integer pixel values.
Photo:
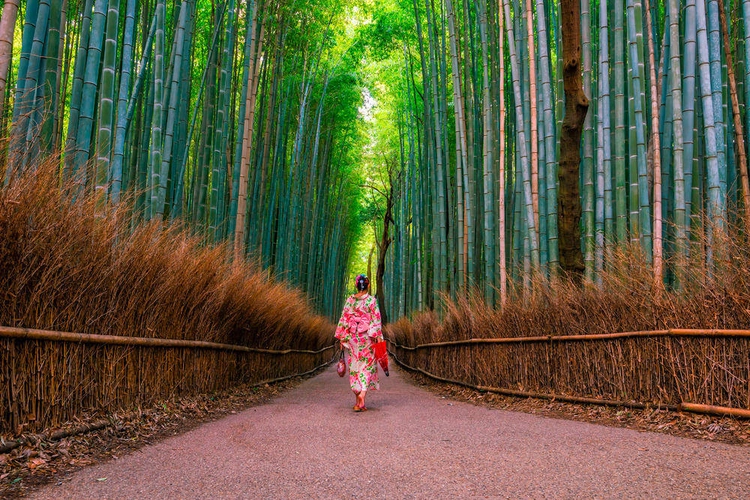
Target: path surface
(308, 443)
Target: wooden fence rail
(48, 378)
(703, 370)
(32, 334)
(672, 332)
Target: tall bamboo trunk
(533, 120)
(501, 160)
(106, 113)
(462, 161)
(658, 249)
(522, 148)
(489, 208)
(115, 173)
(239, 235)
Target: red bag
(381, 354)
(341, 366)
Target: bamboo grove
(242, 120)
(663, 170)
(235, 118)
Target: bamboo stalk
(32, 334)
(714, 410)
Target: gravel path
(308, 443)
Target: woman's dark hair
(362, 282)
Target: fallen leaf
(35, 463)
(101, 479)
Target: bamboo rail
(723, 411)
(536, 395)
(672, 332)
(32, 334)
(6, 446)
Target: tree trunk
(7, 25)
(576, 106)
(383, 244)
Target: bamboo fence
(706, 371)
(48, 378)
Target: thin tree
(7, 25)
(576, 107)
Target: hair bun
(362, 282)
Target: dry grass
(64, 267)
(649, 370)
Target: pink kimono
(359, 327)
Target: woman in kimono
(358, 329)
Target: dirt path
(308, 443)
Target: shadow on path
(308, 443)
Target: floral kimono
(359, 327)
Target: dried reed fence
(151, 303)
(78, 374)
(663, 368)
(680, 345)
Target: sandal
(360, 408)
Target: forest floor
(28, 469)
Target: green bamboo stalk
(462, 160)
(636, 68)
(77, 91)
(106, 104)
(550, 139)
(169, 131)
(115, 173)
(717, 91)
(604, 229)
(716, 201)
(620, 166)
(489, 196)
(522, 147)
(587, 164)
(28, 86)
(48, 100)
(240, 229)
(501, 229)
(83, 145)
(156, 151)
(441, 262)
(182, 168)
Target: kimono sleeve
(375, 331)
(342, 330)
